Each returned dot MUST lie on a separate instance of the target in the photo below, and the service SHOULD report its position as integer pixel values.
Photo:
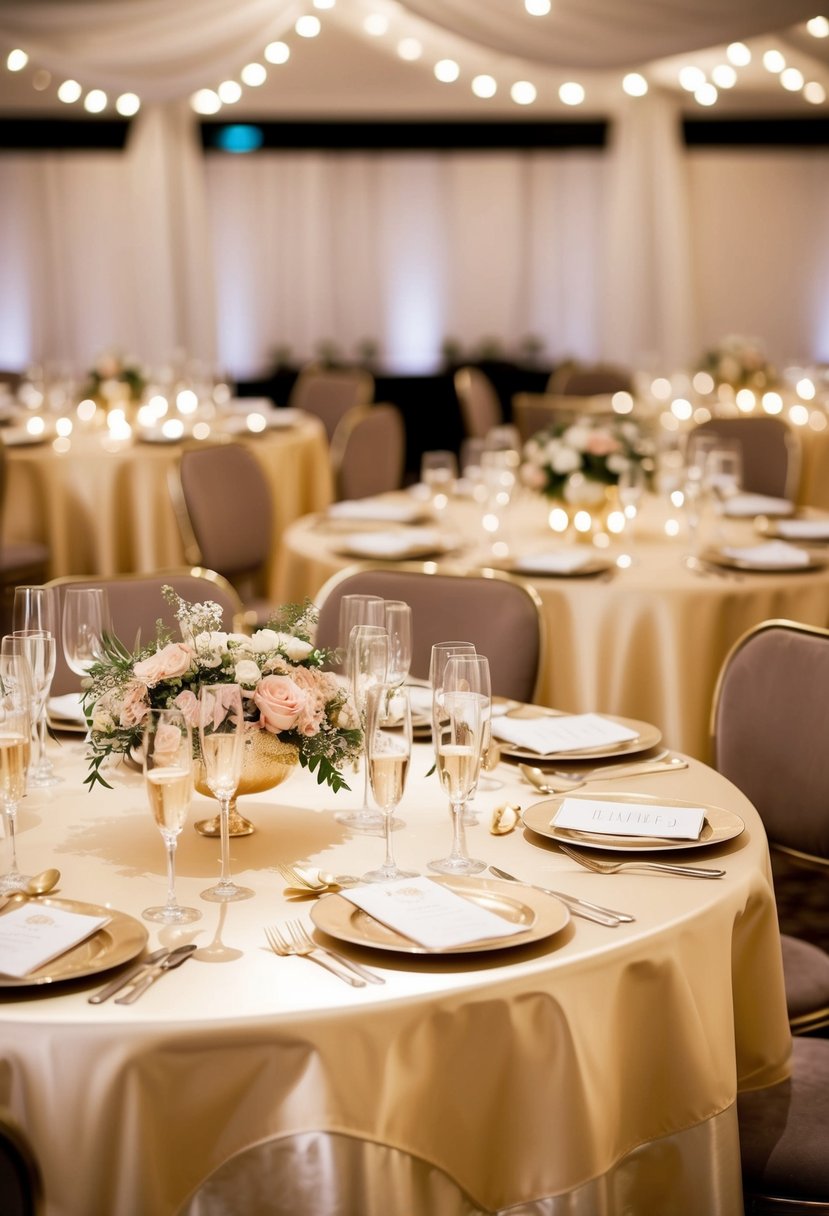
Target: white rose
(566, 461)
(576, 437)
(294, 648)
(211, 641)
(247, 673)
(264, 640)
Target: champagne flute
(476, 674)
(358, 610)
(442, 652)
(168, 777)
(367, 662)
(36, 609)
(398, 623)
(724, 473)
(39, 649)
(221, 743)
(84, 625)
(439, 472)
(457, 740)
(388, 752)
(631, 487)
(15, 750)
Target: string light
(409, 49)
(571, 93)
(16, 60)
(484, 86)
(724, 76)
(635, 85)
(376, 24)
(691, 78)
(277, 52)
(814, 93)
(738, 54)
(69, 91)
(523, 93)
(818, 27)
(792, 80)
(229, 91)
(206, 101)
(447, 71)
(308, 26)
(128, 104)
(774, 61)
(95, 101)
(254, 74)
(537, 8)
(706, 94)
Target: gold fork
(661, 867)
(285, 947)
(300, 933)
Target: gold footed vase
(267, 763)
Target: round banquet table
(644, 639)
(104, 507)
(594, 1070)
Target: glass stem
(366, 806)
(458, 833)
(11, 815)
(171, 872)
(41, 762)
(388, 864)
(224, 824)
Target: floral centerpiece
(285, 690)
(739, 362)
(574, 462)
(113, 378)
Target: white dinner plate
(122, 938)
(717, 557)
(542, 565)
(719, 825)
(394, 546)
(542, 914)
(647, 736)
(805, 528)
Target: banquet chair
(784, 1134)
(479, 403)
(768, 727)
(224, 507)
(771, 452)
(330, 394)
(21, 562)
(534, 412)
(21, 1184)
(368, 451)
(136, 605)
(499, 614)
(589, 380)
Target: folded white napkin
(772, 553)
(804, 529)
(67, 708)
(563, 561)
(430, 914)
(569, 732)
(742, 505)
(629, 819)
(385, 510)
(393, 544)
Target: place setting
(773, 556)
(534, 733)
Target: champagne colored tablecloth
(105, 508)
(645, 640)
(595, 1070)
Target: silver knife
(174, 959)
(579, 907)
(127, 977)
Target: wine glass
(438, 472)
(39, 648)
(724, 475)
(388, 754)
(168, 778)
(457, 719)
(398, 623)
(36, 611)
(15, 750)
(84, 626)
(221, 743)
(631, 487)
(367, 664)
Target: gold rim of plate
(405, 553)
(122, 938)
(542, 914)
(719, 825)
(771, 527)
(717, 557)
(519, 566)
(647, 737)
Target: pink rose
(166, 664)
(188, 703)
(280, 702)
(219, 704)
(599, 443)
(317, 694)
(167, 744)
(134, 705)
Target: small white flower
(566, 461)
(264, 640)
(247, 673)
(294, 648)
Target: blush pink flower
(166, 664)
(280, 702)
(600, 443)
(188, 703)
(134, 704)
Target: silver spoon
(547, 783)
(40, 884)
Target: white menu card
(629, 818)
(772, 553)
(563, 561)
(35, 933)
(430, 914)
(567, 733)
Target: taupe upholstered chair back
(771, 452)
(479, 403)
(589, 380)
(331, 394)
(21, 1183)
(500, 615)
(368, 451)
(136, 604)
(225, 511)
(770, 717)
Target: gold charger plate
(526, 565)
(778, 529)
(121, 939)
(404, 552)
(542, 914)
(716, 557)
(647, 736)
(719, 825)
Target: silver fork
(300, 933)
(574, 774)
(282, 945)
(661, 867)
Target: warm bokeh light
(64, 427)
(523, 92)
(818, 27)
(229, 91)
(308, 26)
(558, 519)
(814, 93)
(16, 60)
(661, 388)
(409, 49)
(805, 388)
(703, 383)
(706, 94)
(86, 410)
(621, 403)
(724, 76)
(484, 86)
(772, 403)
(277, 52)
(206, 101)
(447, 71)
(186, 401)
(798, 415)
(95, 101)
(537, 8)
(745, 400)
(792, 79)
(571, 93)
(691, 78)
(128, 104)
(256, 423)
(376, 24)
(254, 74)
(774, 61)
(69, 91)
(738, 54)
(172, 428)
(635, 85)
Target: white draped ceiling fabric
(158, 250)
